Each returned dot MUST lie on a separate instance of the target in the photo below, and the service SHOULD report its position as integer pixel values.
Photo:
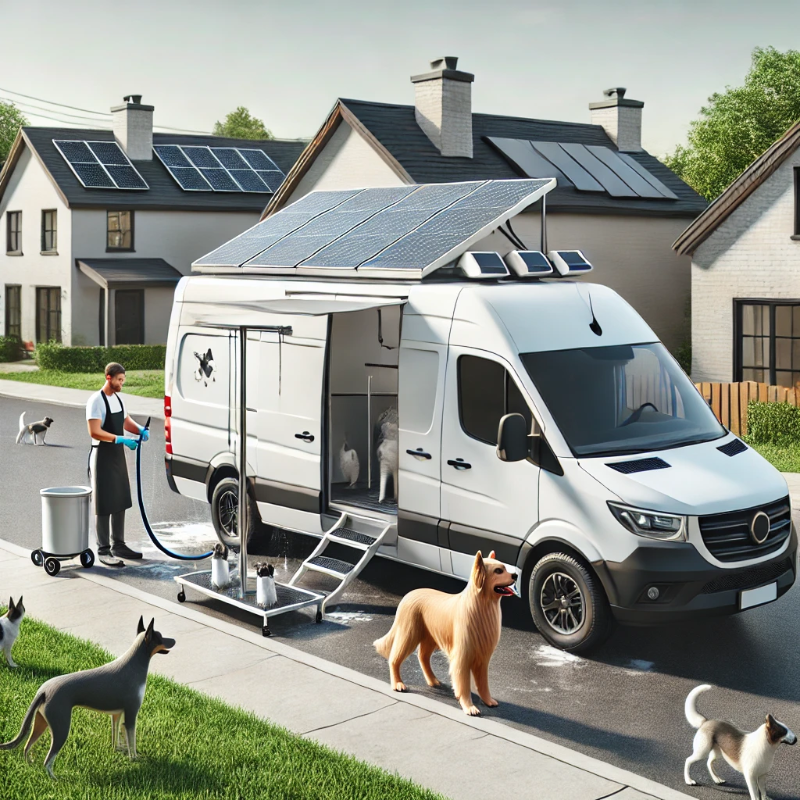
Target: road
(623, 705)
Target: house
(745, 251)
(100, 225)
(614, 201)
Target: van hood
(699, 480)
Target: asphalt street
(623, 705)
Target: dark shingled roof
(164, 193)
(396, 128)
(139, 271)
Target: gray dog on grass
(116, 688)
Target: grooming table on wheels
(290, 598)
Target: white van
(539, 419)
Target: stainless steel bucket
(65, 519)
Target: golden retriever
(466, 626)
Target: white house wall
(631, 255)
(347, 161)
(30, 191)
(750, 255)
(179, 237)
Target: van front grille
(748, 578)
(727, 536)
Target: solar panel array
(589, 168)
(100, 165)
(406, 229)
(220, 169)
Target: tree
(739, 124)
(240, 124)
(11, 120)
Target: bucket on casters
(65, 527)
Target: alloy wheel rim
(228, 513)
(562, 603)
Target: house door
(129, 316)
(490, 504)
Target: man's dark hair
(113, 369)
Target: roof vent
(639, 465)
(619, 91)
(133, 98)
(733, 448)
(483, 265)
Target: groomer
(108, 421)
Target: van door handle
(419, 453)
(305, 436)
(459, 463)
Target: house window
(14, 232)
(119, 230)
(486, 393)
(14, 311)
(767, 342)
(49, 232)
(48, 314)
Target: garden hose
(145, 521)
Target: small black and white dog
(220, 573)
(266, 593)
(9, 628)
(751, 754)
(33, 433)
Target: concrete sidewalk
(41, 393)
(429, 742)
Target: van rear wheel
(225, 512)
(568, 604)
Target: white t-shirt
(96, 408)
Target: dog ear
(10, 603)
(492, 555)
(478, 571)
(140, 627)
(148, 634)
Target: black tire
(577, 617)
(52, 566)
(181, 596)
(87, 559)
(225, 512)
(318, 617)
(265, 631)
(37, 558)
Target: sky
(287, 62)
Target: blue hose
(145, 521)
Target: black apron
(112, 490)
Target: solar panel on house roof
(197, 168)
(100, 165)
(608, 179)
(553, 152)
(406, 230)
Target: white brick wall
(133, 130)
(750, 255)
(623, 124)
(444, 112)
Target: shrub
(773, 423)
(53, 356)
(11, 349)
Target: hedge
(11, 349)
(56, 357)
(773, 423)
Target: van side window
(487, 392)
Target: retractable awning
(251, 315)
(139, 273)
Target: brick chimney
(133, 128)
(621, 118)
(443, 106)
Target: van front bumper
(689, 587)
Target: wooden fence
(729, 401)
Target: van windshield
(621, 399)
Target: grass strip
(141, 382)
(190, 746)
(785, 458)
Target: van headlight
(652, 524)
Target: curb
(499, 730)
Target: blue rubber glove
(145, 434)
(131, 444)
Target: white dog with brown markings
(466, 626)
(751, 754)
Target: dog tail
(694, 717)
(384, 644)
(26, 723)
(21, 427)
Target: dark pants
(117, 524)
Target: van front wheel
(225, 512)
(568, 604)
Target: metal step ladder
(365, 534)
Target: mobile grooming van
(526, 412)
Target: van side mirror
(512, 438)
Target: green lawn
(190, 746)
(143, 382)
(786, 458)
